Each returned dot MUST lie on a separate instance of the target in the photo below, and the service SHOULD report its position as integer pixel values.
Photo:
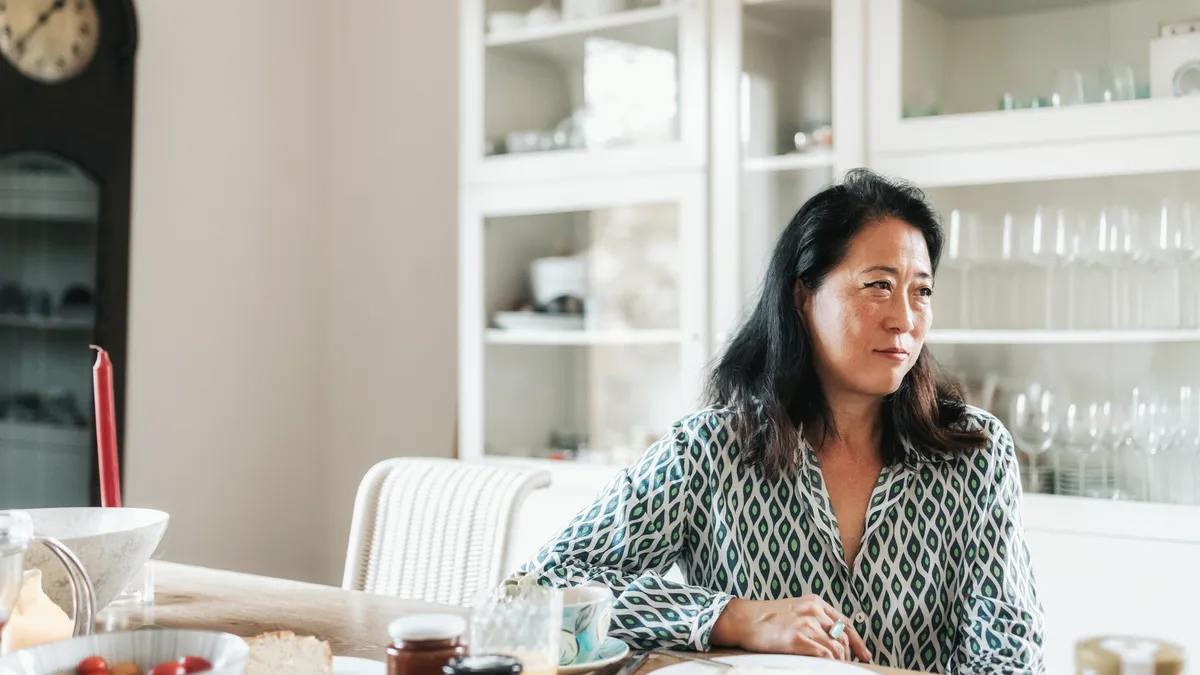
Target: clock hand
(42, 19)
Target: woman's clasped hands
(800, 626)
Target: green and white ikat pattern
(942, 582)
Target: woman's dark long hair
(767, 377)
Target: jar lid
(427, 627)
(483, 664)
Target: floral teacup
(587, 611)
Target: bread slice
(285, 653)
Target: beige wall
(293, 301)
(392, 246)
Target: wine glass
(1085, 428)
(1034, 426)
(1186, 449)
(1151, 434)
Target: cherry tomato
(92, 665)
(126, 669)
(194, 664)
(169, 668)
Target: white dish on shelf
(538, 321)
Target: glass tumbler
(519, 621)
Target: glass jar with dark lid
(423, 643)
(483, 664)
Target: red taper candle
(106, 430)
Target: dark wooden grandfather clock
(66, 142)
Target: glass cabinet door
(583, 319)
(582, 86)
(48, 251)
(784, 77)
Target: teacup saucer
(612, 651)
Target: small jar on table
(422, 644)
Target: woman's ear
(800, 298)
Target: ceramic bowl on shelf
(112, 544)
(146, 648)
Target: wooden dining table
(354, 623)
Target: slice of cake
(285, 653)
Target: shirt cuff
(702, 626)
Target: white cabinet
(584, 87)
(787, 110)
(583, 321)
(979, 91)
(1067, 188)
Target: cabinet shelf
(1060, 337)
(790, 162)
(45, 324)
(649, 27)
(1108, 518)
(561, 165)
(32, 436)
(583, 337)
(1034, 158)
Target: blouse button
(860, 618)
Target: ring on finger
(837, 630)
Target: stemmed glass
(1150, 433)
(1186, 449)
(1034, 426)
(1085, 429)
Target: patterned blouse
(942, 582)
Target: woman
(832, 480)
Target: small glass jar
(423, 643)
(483, 664)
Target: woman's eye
(881, 285)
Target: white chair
(434, 529)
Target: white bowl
(112, 544)
(145, 647)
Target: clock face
(49, 40)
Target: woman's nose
(899, 317)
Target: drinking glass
(1085, 428)
(1034, 426)
(522, 621)
(1069, 88)
(1150, 434)
(961, 244)
(1184, 481)
(1119, 84)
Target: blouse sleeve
(628, 539)
(1001, 627)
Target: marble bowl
(112, 544)
(147, 648)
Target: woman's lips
(897, 355)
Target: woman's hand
(791, 626)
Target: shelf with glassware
(1040, 284)
(1093, 260)
(582, 325)
(1047, 92)
(1129, 431)
(583, 87)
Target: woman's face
(868, 319)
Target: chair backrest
(434, 529)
